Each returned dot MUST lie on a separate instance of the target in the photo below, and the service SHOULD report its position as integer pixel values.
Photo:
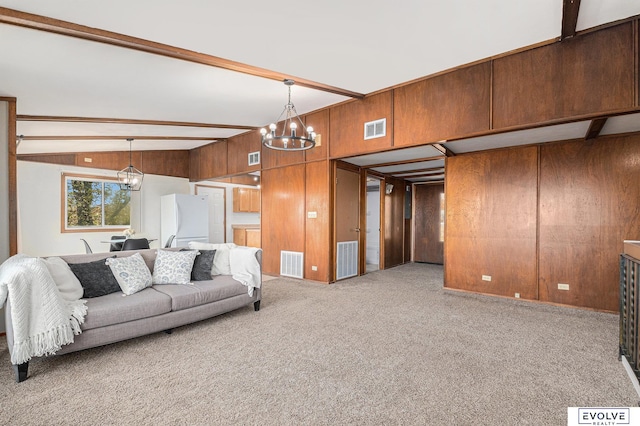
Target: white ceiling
(358, 46)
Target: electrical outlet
(517, 295)
(563, 286)
(486, 278)
(88, 160)
(314, 268)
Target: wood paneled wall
(167, 163)
(427, 244)
(320, 123)
(453, 104)
(491, 211)
(318, 230)
(347, 125)
(209, 161)
(589, 194)
(109, 160)
(576, 201)
(283, 214)
(591, 73)
(238, 151)
(394, 223)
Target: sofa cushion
(201, 292)
(221, 259)
(66, 281)
(115, 309)
(149, 256)
(131, 273)
(173, 267)
(96, 278)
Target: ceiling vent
(375, 129)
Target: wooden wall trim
(13, 177)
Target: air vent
(375, 129)
(347, 260)
(254, 158)
(291, 264)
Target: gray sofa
(112, 318)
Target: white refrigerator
(185, 216)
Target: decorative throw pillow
(67, 283)
(96, 278)
(221, 265)
(173, 267)
(131, 273)
(202, 265)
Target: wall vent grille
(347, 260)
(254, 158)
(291, 264)
(375, 129)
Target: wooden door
(429, 235)
(347, 223)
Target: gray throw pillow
(202, 265)
(96, 278)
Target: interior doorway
(429, 223)
(372, 234)
(217, 212)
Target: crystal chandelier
(130, 178)
(292, 141)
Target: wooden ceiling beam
(44, 23)
(595, 128)
(102, 138)
(570, 10)
(98, 120)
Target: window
(93, 203)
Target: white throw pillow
(66, 281)
(221, 264)
(173, 267)
(131, 273)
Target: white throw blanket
(42, 321)
(245, 267)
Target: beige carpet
(391, 347)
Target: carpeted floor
(391, 347)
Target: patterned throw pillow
(173, 267)
(131, 273)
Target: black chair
(87, 247)
(115, 246)
(169, 241)
(135, 244)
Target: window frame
(63, 204)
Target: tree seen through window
(96, 203)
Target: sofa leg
(21, 371)
(256, 306)
(169, 331)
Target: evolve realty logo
(604, 416)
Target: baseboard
(632, 375)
